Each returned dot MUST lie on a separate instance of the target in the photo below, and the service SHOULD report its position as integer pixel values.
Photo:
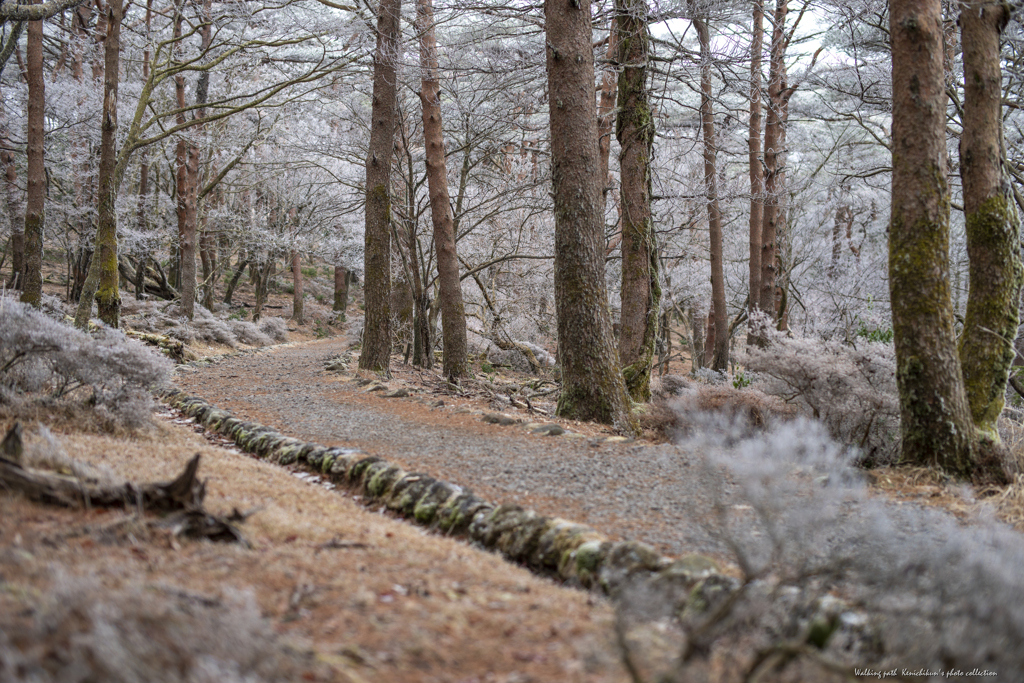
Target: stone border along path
(550, 546)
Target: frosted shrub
(275, 328)
(833, 577)
(852, 390)
(248, 333)
(40, 357)
(89, 632)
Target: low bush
(43, 359)
(851, 389)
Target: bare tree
(592, 385)
(376, 350)
(935, 419)
(755, 160)
(993, 226)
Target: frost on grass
(158, 634)
(851, 389)
(162, 318)
(42, 359)
(828, 577)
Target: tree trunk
(641, 286)
(774, 160)
(376, 348)
(756, 165)
(35, 197)
(606, 108)
(935, 419)
(242, 263)
(13, 198)
(108, 295)
(993, 226)
(592, 384)
(720, 351)
(340, 290)
(453, 312)
(297, 289)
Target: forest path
(656, 493)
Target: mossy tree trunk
(592, 384)
(453, 311)
(993, 226)
(35, 197)
(606, 108)
(108, 296)
(634, 129)
(935, 420)
(720, 350)
(376, 349)
(755, 160)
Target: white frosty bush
(275, 328)
(90, 632)
(835, 577)
(851, 389)
(42, 357)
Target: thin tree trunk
(592, 384)
(297, 289)
(756, 164)
(453, 312)
(35, 198)
(641, 286)
(993, 226)
(606, 108)
(340, 290)
(242, 263)
(774, 160)
(935, 419)
(376, 348)
(720, 352)
(13, 198)
(140, 288)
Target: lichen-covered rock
(708, 593)
(627, 559)
(407, 491)
(287, 452)
(228, 425)
(342, 462)
(380, 477)
(456, 514)
(358, 469)
(509, 529)
(214, 417)
(428, 504)
(558, 543)
(588, 560)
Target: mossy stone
(380, 477)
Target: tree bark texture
(774, 161)
(592, 385)
(935, 420)
(756, 163)
(720, 351)
(35, 197)
(376, 349)
(453, 311)
(993, 226)
(12, 196)
(634, 129)
(297, 289)
(340, 290)
(606, 108)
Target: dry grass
(340, 593)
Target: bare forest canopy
(744, 162)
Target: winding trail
(655, 493)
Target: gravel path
(656, 493)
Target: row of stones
(574, 553)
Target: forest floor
(350, 593)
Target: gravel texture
(655, 493)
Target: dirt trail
(656, 493)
